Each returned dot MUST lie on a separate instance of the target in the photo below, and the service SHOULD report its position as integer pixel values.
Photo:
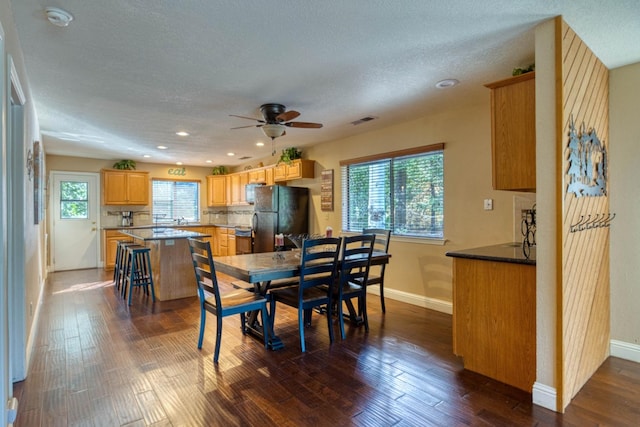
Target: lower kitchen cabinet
(111, 239)
(494, 319)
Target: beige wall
(625, 202)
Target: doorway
(75, 242)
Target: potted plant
(289, 154)
(125, 165)
(219, 170)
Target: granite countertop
(170, 225)
(160, 233)
(506, 252)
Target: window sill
(409, 239)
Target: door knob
(93, 229)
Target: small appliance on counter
(127, 218)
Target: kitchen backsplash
(240, 215)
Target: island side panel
(172, 269)
(494, 319)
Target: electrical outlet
(488, 204)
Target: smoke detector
(58, 17)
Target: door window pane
(74, 200)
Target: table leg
(254, 322)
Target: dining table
(261, 270)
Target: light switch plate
(488, 204)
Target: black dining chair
(355, 262)
(376, 275)
(220, 304)
(318, 272)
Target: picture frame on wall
(38, 184)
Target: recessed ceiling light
(58, 17)
(446, 83)
(146, 156)
(260, 144)
(161, 147)
(231, 154)
(208, 161)
(182, 133)
(178, 163)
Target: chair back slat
(319, 262)
(203, 267)
(383, 237)
(356, 258)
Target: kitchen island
(494, 312)
(171, 264)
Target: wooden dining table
(261, 269)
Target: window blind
(176, 199)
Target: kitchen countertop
(160, 233)
(506, 252)
(138, 227)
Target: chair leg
(341, 319)
(243, 322)
(265, 328)
(382, 295)
(330, 321)
(362, 301)
(203, 318)
(301, 328)
(218, 338)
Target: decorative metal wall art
(326, 191)
(587, 163)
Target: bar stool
(139, 271)
(118, 272)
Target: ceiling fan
(276, 120)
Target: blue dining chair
(376, 275)
(220, 304)
(318, 272)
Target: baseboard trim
(545, 396)
(34, 327)
(413, 299)
(625, 350)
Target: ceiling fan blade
(303, 125)
(287, 115)
(250, 126)
(248, 118)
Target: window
(74, 200)
(176, 199)
(401, 191)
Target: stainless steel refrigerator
(279, 209)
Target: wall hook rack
(587, 222)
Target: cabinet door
(235, 189)
(280, 172)
(138, 186)
(114, 188)
(268, 176)
(216, 190)
(513, 133)
(244, 180)
(231, 244)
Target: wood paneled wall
(583, 311)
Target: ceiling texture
(125, 75)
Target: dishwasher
(244, 240)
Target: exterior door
(75, 221)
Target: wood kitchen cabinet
(238, 183)
(122, 187)
(111, 238)
(513, 133)
(217, 188)
(221, 241)
(297, 169)
(494, 319)
(231, 242)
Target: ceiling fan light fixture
(273, 130)
(58, 17)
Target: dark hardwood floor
(97, 362)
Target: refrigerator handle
(254, 221)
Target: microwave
(250, 192)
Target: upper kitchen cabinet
(513, 133)
(238, 183)
(124, 187)
(299, 168)
(217, 190)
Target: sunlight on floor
(85, 287)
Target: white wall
(624, 155)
